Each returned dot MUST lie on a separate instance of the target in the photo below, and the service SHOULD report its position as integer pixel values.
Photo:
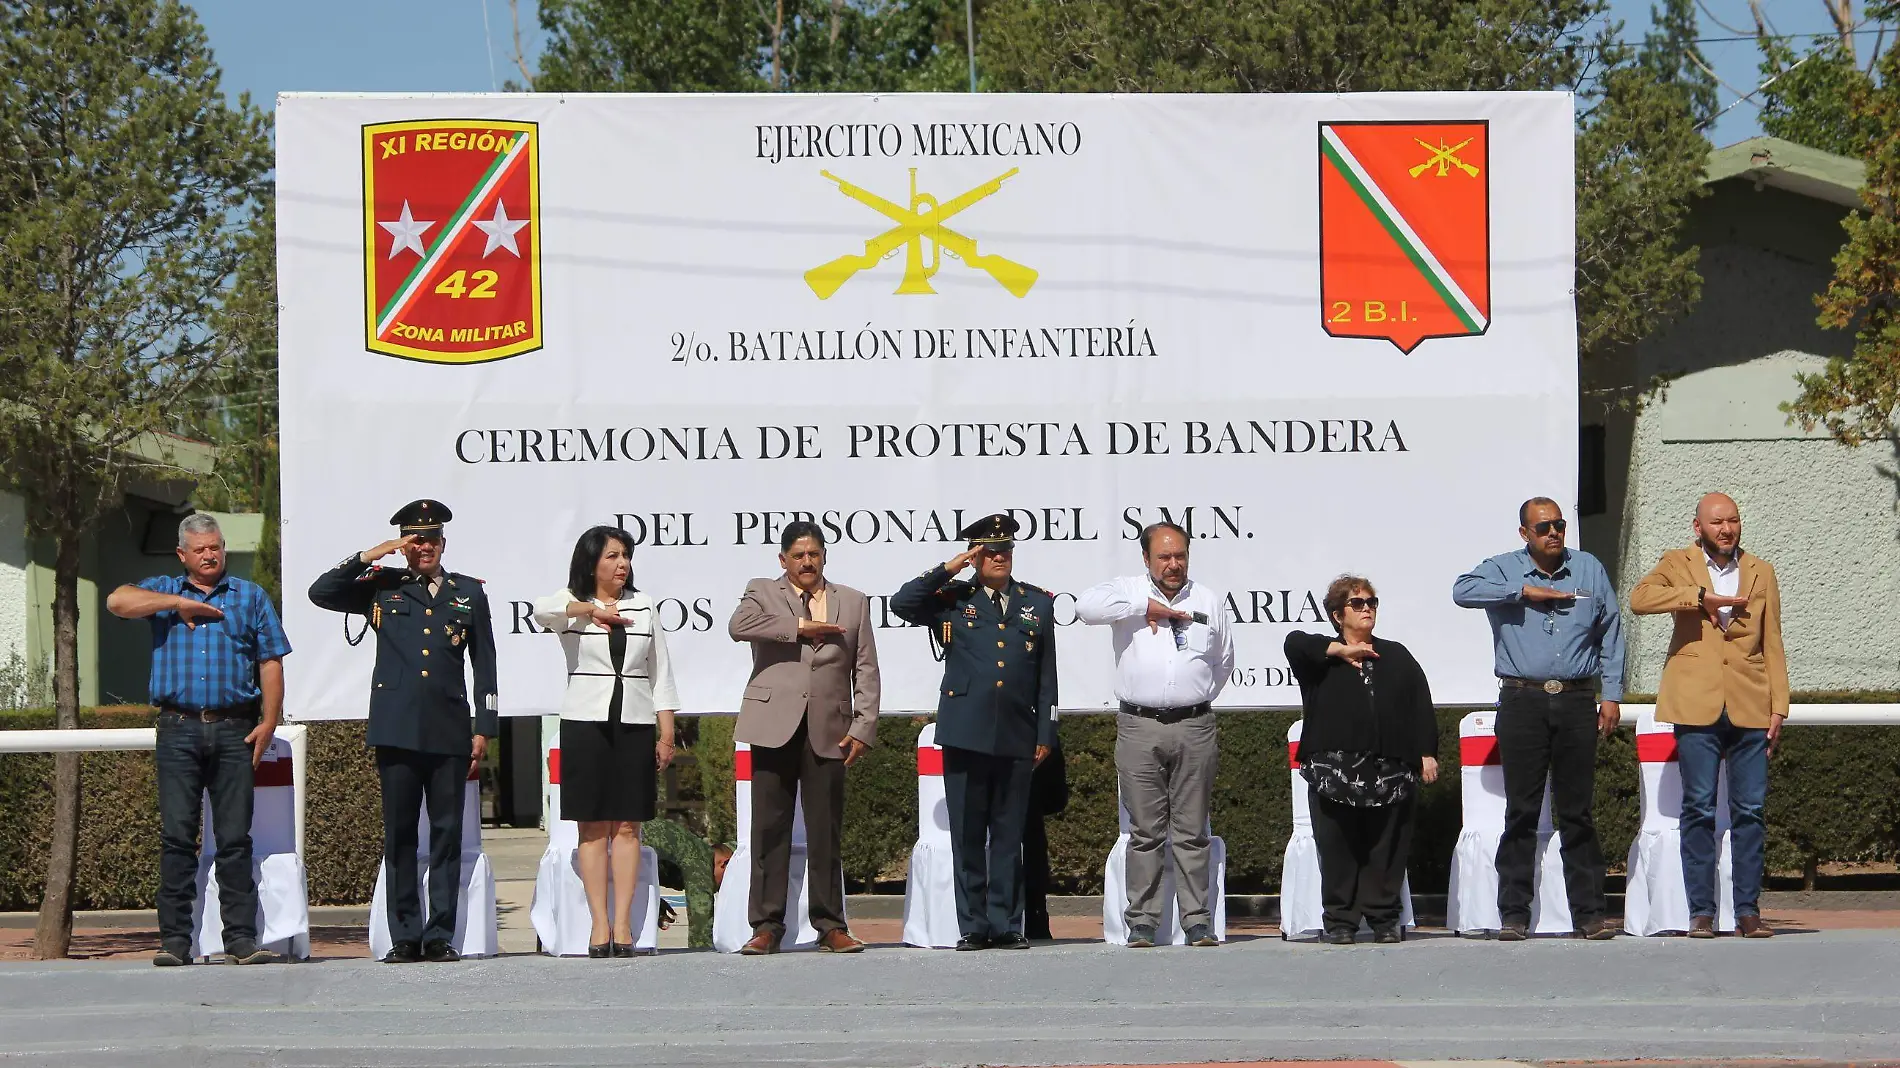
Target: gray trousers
(1166, 772)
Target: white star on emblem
(500, 230)
(406, 231)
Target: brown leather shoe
(763, 941)
(1701, 927)
(839, 940)
(1752, 927)
(1597, 930)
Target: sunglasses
(1363, 604)
(1548, 525)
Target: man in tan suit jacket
(1725, 687)
(810, 711)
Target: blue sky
(271, 46)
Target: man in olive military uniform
(996, 717)
(425, 620)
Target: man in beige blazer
(1725, 687)
(810, 711)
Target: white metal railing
(112, 739)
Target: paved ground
(1828, 994)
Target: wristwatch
(1701, 597)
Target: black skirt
(607, 771)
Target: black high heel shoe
(622, 949)
(600, 952)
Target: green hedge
(1834, 795)
(118, 812)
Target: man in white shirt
(1172, 657)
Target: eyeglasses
(1549, 525)
(1363, 604)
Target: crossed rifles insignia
(1444, 157)
(922, 221)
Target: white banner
(1326, 333)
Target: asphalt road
(1828, 994)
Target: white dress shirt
(1725, 582)
(646, 673)
(1151, 669)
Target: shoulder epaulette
(371, 575)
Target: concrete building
(1824, 515)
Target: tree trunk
(1810, 869)
(53, 937)
(778, 35)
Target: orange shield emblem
(451, 239)
(1404, 232)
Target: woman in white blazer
(616, 722)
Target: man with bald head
(1725, 687)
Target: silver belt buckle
(1553, 686)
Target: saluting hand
(393, 545)
(1159, 613)
(1352, 652)
(609, 617)
(1545, 593)
(194, 611)
(962, 560)
(816, 631)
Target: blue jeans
(1700, 752)
(193, 759)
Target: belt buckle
(1553, 686)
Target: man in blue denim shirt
(1556, 630)
(218, 682)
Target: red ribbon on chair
(929, 760)
(1293, 755)
(1478, 750)
(1657, 748)
(272, 773)
(742, 766)
(554, 767)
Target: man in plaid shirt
(218, 682)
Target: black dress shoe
(403, 953)
(621, 949)
(971, 943)
(1010, 940)
(600, 952)
(1340, 936)
(439, 951)
(1388, 935)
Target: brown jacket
(1742, 669)
(835, 685)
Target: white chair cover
(1115, 887)
(283, 903)
(1655, 899)
(562, 922)
(930, 895)
(1471, 903)
(476, 932)
(1302, 905)
(732, 906)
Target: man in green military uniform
(996, 717)
(425, 620)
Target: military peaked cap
(422, 517)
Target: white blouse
(646, 675)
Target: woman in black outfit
(1369, 736)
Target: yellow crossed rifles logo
(913, 228)
(1444, 157)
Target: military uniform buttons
(431, 611)
(425, 652)
(999, 663)
(425, 630)
(999, 645)
(425, 674)
(999, 684)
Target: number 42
(456, 285)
